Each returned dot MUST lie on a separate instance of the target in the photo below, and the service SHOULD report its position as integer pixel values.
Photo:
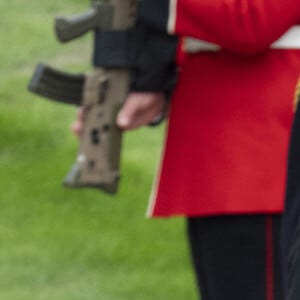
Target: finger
(144, 117)
(77, 128)
(128, 112)
(81, 113)
(140, 109)
(123, 121)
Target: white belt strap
(290, 40)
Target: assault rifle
(101, 92)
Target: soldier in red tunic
(223, 164)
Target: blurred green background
(64, 244)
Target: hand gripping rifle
(101, 92)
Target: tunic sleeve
(243, 26)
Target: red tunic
(232, 110)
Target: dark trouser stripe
(269, 259)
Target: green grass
(73, 244)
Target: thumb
(128, 112)
(123, 120)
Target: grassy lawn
(73, 244)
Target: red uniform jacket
(231, 113)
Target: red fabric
(231, 113)
(244, 26)
(228, 134)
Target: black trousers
(290, 221)
(237, 257)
